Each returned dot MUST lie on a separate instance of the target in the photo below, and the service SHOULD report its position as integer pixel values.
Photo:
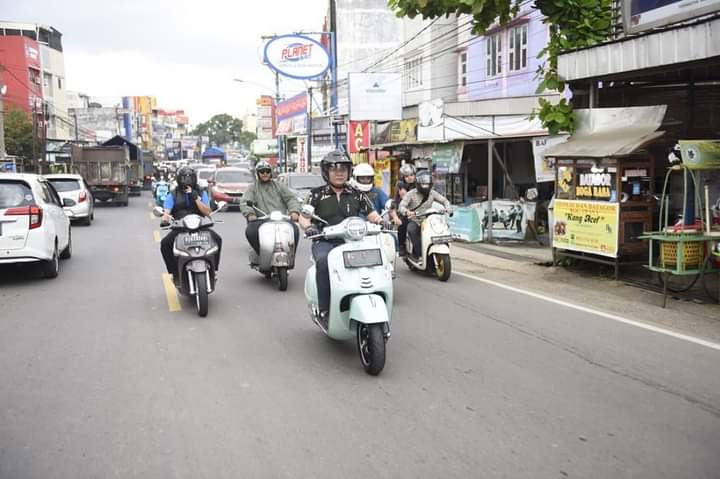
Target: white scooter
(435, 239)
(277, 247)
(361, 289)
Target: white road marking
(638, 324)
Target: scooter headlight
(276, 216)
(356, 229)
(192, 222)
(437, 224)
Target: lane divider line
(156, 234)
(620, 319)
(171, 294)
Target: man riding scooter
(417, 202)
(333, 203)
(267, 195)
(184, 200)
(406, 184)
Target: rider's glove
(194, 195)
(312, 231)
(251, 217)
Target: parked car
(229, 184)
(33, 226)
(301, 183)
(74, 187)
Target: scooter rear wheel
(371, 347)
(201, 294)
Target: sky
(184, 52)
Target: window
(59, 83)
(462, 68)
(493, 54)
(34, 76)
(413, 73)
(517, 44)
(47, 79)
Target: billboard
(358, 136)
(375, 96)
(587, 226)
(297, 56)
(641, 15)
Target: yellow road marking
(156, 234)
(170, 293)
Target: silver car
(74, 188)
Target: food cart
(605, 186)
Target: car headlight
(192, 222)
(356, 229)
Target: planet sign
(297, 56)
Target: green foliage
(221, 129)
(246, 138)
(19, 134)
(572, 24)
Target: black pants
(166, 248)
(252, 230)
(413, 232)
(402, 232)
(320, 251)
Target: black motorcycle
(196, 253)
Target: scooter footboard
(368, 309)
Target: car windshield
(62, 185)
(233, 177)
(205, 174)
(305, 181)
(15, 193)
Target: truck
(106, 170)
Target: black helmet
(424, 182)
(261, 166)
(186, 176)
(334, 158)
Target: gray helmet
(424, 182)
(406, 170)
(262, 165)
(333, 158)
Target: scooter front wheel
(443, 266)
(201, 294)
(282, 276)
(371, 346)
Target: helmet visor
(365, 180)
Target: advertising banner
(297, 56)
(641, 15)
(359, 136)
(446, 158)
(545, 167)
(587, 226)
(375, 96)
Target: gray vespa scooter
(277, 247)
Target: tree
(246, 138)
(19, 134)
(221, 129)
(572, 24)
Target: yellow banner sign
(587, 226)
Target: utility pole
(333, 62)
(33, 162)
(2, 126)
(309, 130)
(77, 136)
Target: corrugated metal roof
(611, 132)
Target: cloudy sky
(184, 52)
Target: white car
(33, 225)
(76, 189)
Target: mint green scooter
(361, 289)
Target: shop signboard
(382, 174)
(291, 114)
(587, 226)
(446, 158)
(598, 185)
(375, 96)
(266, 147)
(545, 167)
(359, 137)
(641, 15)
(701, 154)
(297, 56)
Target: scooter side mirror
(250, 203)
(308, 211)
(389, 205)
(222, 206)
(158, 211)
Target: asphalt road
(100, 379)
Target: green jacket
(270, 196)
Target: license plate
(362, 258)
(196, 239)
(442, 239)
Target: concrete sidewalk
(530, 268)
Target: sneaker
(402, 252)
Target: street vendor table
(681, 254)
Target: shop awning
(611, 132)
(404, 143)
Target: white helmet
(364, 177)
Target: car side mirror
(68, 202)
(158, 212)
